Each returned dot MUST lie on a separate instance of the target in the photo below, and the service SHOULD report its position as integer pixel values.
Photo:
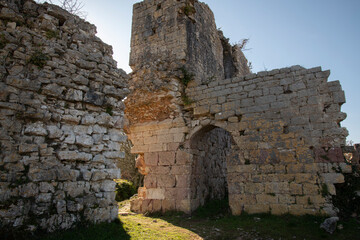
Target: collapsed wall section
(61, 119)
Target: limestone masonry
(61, 119)
(202, 125)
(205, 128)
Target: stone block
(299, 210)
(155, 193)
(305, 178)
(182, 181)
(160, 170)
(168, 205)
(43, 198)
(182, 193)
(296, 189)
(28, 148)
(258, 208)
(150, 140)
(201, 110)
(277, 187)
(295, 168)
(151, 158)
(153, 147)
(215, 108)
(224, 115)
(168, 138)
(40, 175)
(184, 206)
(179, 137)
(37, 129)
(166, 158)
(254, 188)
(157, 204)
(66, 174)
(84, 140)
(107, 186)
(182, 157)
(267, 198)
(180, 170)
(333, 178)
(311, 189)
(279, 209)
(165, 181)
(114, 154)
(345, 168)
(74, 156)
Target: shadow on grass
(102, 231)
(214, 221)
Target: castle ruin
(203, 126)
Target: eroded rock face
(61, 119)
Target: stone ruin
(61, 119)
(203, 126)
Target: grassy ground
(212, 222)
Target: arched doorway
(212, 149)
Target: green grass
(104, 231)
(213, 222)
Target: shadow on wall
(211, 148)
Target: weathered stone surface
(74, 156)
(205, 127)
(60, 108)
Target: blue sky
(282, 33)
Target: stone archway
(212, 149)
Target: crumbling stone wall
(286, 125)
(283, 125)
(61, 119)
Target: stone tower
(205, 128)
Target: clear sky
(282, 33)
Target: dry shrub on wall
(72, 6)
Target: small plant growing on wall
(185, 79)
(109, 110)
(51, 34)
(39, 59)
(189, 9)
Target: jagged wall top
(167, 35)
(61, 119)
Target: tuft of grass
(185, 79)
(186, 100)
(51, 34)
(189, 10)
(39, 59)
(186, 76)
(103, 231)
(210, 222)
(109, 110)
